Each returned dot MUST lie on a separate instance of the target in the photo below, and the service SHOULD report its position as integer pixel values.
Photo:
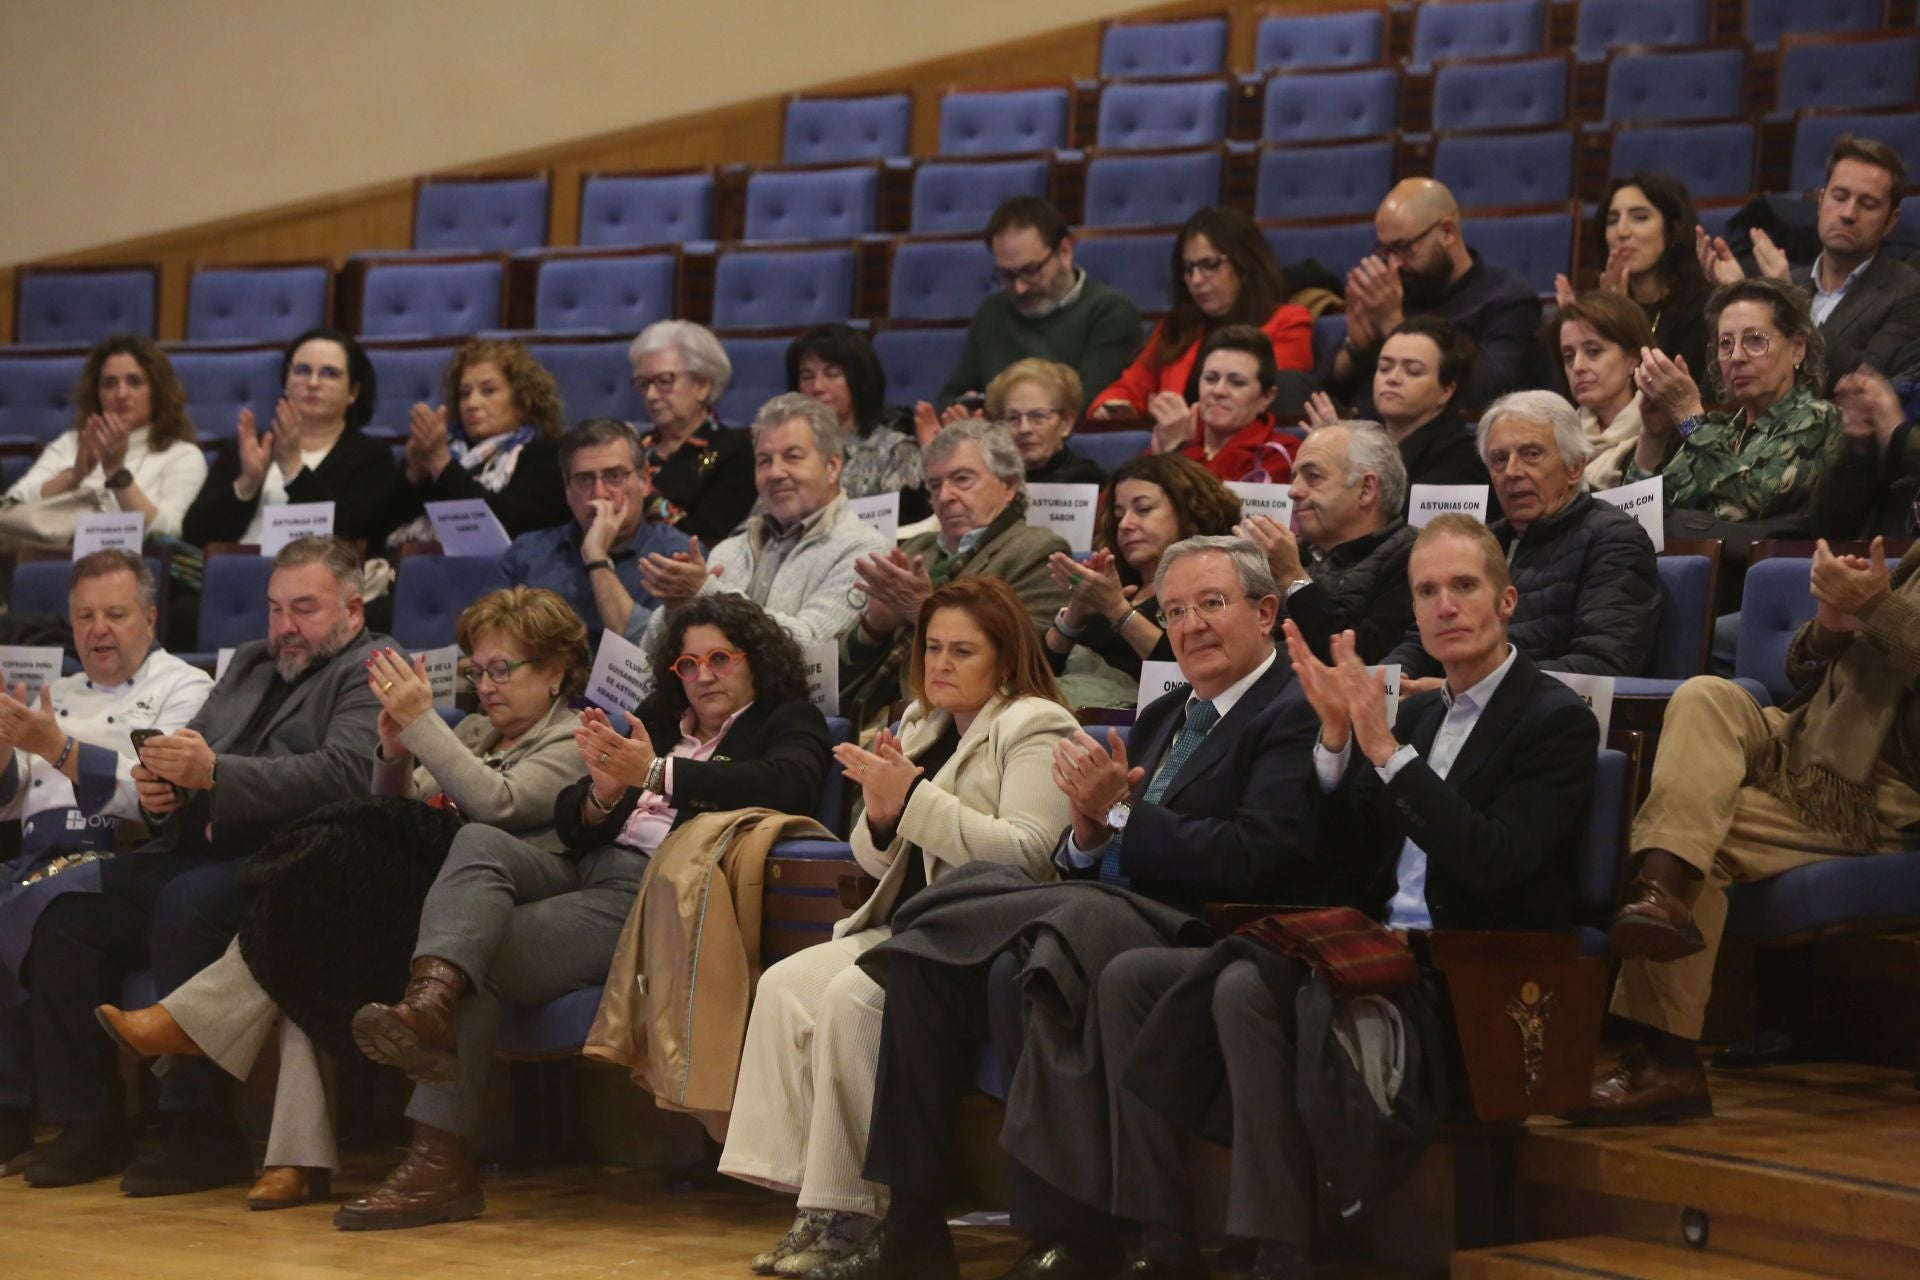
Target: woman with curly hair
(1154, 501)
(131, 447)
(332, 901)
(495, 437)
(728, 723)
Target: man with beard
(290, 727)
(1045, 308)
(1421, 266)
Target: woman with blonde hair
(1038, 401)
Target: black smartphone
(143, 736)
(973, 402)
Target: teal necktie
(1201, 717)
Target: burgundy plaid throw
(1359, 957)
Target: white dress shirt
(1408, 908)
(1824, 303)
(1223, 703)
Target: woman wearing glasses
(312, 452)
(699, 474)
(967, 778)
(1038, 401)
(1223, 274)
(728, 724)
(504, 767)
(1764, 457)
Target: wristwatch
(1117, 816)
(599, 564)
(120, 479)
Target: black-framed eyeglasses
(499, 671)
(1403, 248)
(1029, 274)
(612, 477)
(663, 382)
(1202, 266)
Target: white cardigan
(171, 479)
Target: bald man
(1421, 265)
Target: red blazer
(1258, 444)
(1289, 328)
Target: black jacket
(1505, 832)
(1067, 467)
(1359, 586)
(1444, 452)
(358, 476)
(774, 755)
(1226, 829)
(1589, 594)
(535, 498)
(708, 481)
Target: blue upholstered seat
(918, 361)
(759, 373)
(432, 592)
(1689, 84)
(989, 122)
(1501, 95)
(1777, 602)
(959, 196)
(1534, 246)
(812, 204)
(836, 130)
(1318, 40)
(1815, 134)
(939, 279)
(617, 293)
(1150, 190)
(1491, 170)
(764, 289)
(595, 379)
(1609, 24)
(79, 306)
(1320, 106)
(1487, 29)
(1717, 159)
(1337, 246)
(1329, 331)
(1768, 20)
(414, 299)
(1137, 263)
(1197, 47)
(406, 376)
(257, 304)
(1686, 616)
(489, 215)
(1179, 113)
(1848, 74)
(36, 395)
(619, 210)
(1323, 181)
(233, 602)
(1864, 893)
(220, 383)
(1109, 448)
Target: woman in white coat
(968, 778)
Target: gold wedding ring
(387, 687)
(603, 757)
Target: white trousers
(224, 1011)
(805, 1094)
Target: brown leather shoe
(286, 1186)
(1654, 925)
(149, 1032)
(1642, 1091)
(435, 1182)
(416, 1035)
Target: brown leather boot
(416, 1035)
(149, 1032)
(286, 1186)
(1643, 1091)
(435, 1182)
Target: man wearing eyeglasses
(1421, 265)
(594, 563)
(1043, 306)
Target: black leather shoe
(84, 1151)
(1059, 1262)
(1767, 1049)
(16, 1139)
(1141, 1267)
(195, 1151)
(896, 1252)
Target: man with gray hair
(1200, 804)
(288, 728)
(1349, 487)
(1588, 582)
(978, 483)
(796, 558)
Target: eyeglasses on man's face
(1206, 608)
(612, 478)
(1030, 274)
(1403, 249)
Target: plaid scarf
(1357, 956)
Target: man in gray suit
(1866, 303)
(290, 727)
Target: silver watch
(1117, 816)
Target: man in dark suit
(289, 727)
(1198, 805)
(1467, 812)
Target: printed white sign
(290, 520)
(108, 531)
(881, 512)
(823, 675)
(1263, 500)
(468, 527)
(30, 664)
(1644, 500)
(1067, 509)
(221, 660)
(1430, 500)
(443, 672)
(1596, 692)
(1393, 688)
(1157, 679)
(620, 675)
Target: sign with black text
(1430, 500)
(291, 521)
(1645, 501)
(108, 531)
(468, 527)
(620, 677)
(1067, 509)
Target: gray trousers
(525, 926)
(227, 1013)
(1272, 1192)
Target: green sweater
(1097, 335)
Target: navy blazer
(1229, 826)
(1505, 832)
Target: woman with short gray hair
(699, 473)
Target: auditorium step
(1611, 1258)
(1807, 1167)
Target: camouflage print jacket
(1737, 472)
